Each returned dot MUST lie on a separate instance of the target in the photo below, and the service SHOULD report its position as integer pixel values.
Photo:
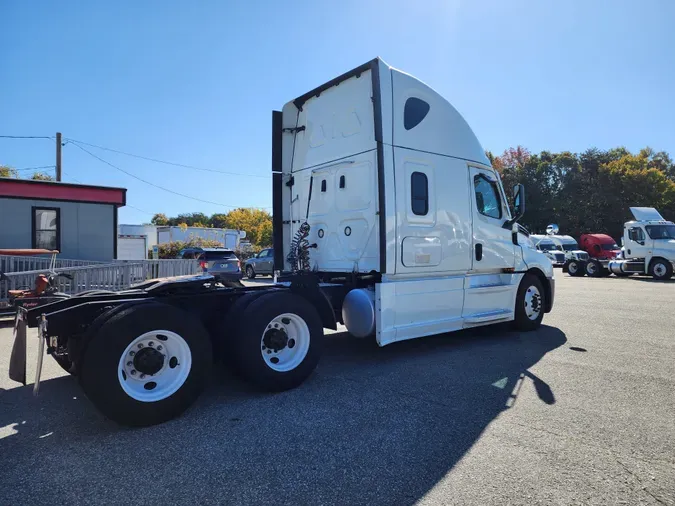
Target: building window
(46, 228)
(419, 193)
(488, 202)
(414, 111)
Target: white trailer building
(134, 241)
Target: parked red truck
(601, 248)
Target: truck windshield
(609, 247)
(546, 247)
(570, 247)
(661, 231)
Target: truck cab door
(493, 248)
(636, 243)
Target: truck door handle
(479, 251)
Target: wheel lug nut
(142, 376)
(130, 363)
(140, 345)
(151, 343)
(159, 348)
(269, 351)
(133, 373)
(132, 353)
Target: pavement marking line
(8, 430)
(516, 389)
(501, 383)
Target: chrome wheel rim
(572, 267)
(532, 302)
(660, 270)
(154, 366)
(591, 268)
(285, 342)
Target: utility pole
(58, 156)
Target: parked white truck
(562, 250)
(388, 218)
(648, 245)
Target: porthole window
(414, 111)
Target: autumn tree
(6, 171)
(160, 219)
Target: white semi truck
(562, 250)
(388, 218)
(648, 245)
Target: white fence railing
(16, 263)
(113, 276)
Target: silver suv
(262, 263)
(222, 263)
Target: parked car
(262, 263)
(221, 263)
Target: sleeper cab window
(488, 202)
(414, 111)
(46, 228)
(419, 193)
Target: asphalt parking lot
(580, 412)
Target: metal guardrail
(17, 263)
(119, 275)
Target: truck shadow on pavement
(371, 426)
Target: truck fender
(548, 288)
(77, 341)
(321, 303)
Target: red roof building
(78, 220)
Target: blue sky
(195, 82)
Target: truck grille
(560, 257)
(583, 256)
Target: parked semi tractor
(601, 249)
(648, 245)
(387, 218)
(563, 250)
(551, 249)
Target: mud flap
(17, 361)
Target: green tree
(41, 176)
(265, 234)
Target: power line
(24, 137)
(137, 209)
(152, 184)
(71, 177)
(75, 141)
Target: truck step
(488, 317)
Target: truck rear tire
(277, 341)
(65, 363)
(146, 364)
(576, 268)
(530, 303)
(661, 269)
(594, 269)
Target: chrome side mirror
(552, 229)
